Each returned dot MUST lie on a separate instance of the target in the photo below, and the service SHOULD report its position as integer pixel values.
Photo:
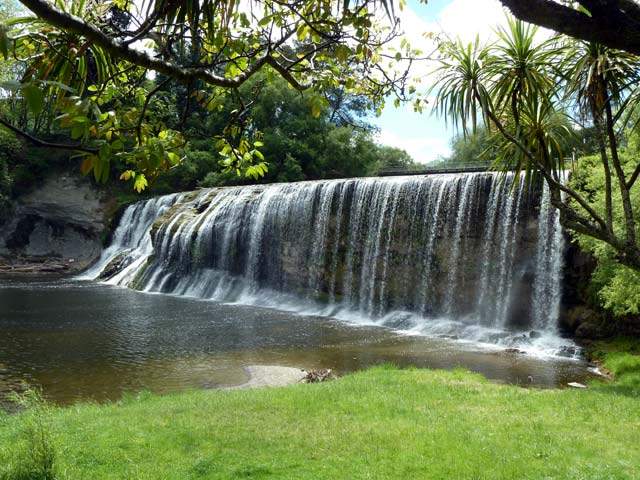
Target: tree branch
(71, 23)
(145, 106)
(615, 23)
(634, 177)
(41, 143)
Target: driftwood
(320, 375)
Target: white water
(468, 256)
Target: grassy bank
(378, 424)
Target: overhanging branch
(67, 22)
(614, 24)
(41, 143)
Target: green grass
(377, 424)
(621, 357)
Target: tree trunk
(597, 120)
(630, 223)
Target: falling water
(442, 254)
(548, 276)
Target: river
(80, 340)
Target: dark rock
(534, 334)
(513, 350)
(568, 351)
(591, 330)
(64, 218)
(116, 265)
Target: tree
(337, 143)
(472, 149)
(83, 60)
(392, 158)
(597, 78)
(613, 23)
(531, 125)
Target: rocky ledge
(38, 266)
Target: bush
(34, 454)
(618, 286)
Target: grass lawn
(376, 424)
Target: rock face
(63, 219)
(581, 316)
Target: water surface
(87, 341)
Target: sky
(424, 136)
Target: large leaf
(34, 97)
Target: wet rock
(116, 265)
(34, 266)
(534, 334)
(512, 350)
(568, 351)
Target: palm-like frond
(520, 66)
(460, 83)
(596, 74)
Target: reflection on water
(88, 341)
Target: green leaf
(34, 98)
(127, 175)
(173, 157)
(317, 105)
(140, 183)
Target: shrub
(34, 455)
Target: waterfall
(548, 276)
(446, 254)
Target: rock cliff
(59, 225)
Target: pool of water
(87, 341)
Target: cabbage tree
(522, 93)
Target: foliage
(34, 455)
(526, 90)
(10, 147)
(618, 285)
(294, 144)
(392, 158)
(471, 149)
(383, 423)
(83, 74)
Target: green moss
(382, 423)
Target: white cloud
(468, 18)
(423, 149)
(424, 138)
